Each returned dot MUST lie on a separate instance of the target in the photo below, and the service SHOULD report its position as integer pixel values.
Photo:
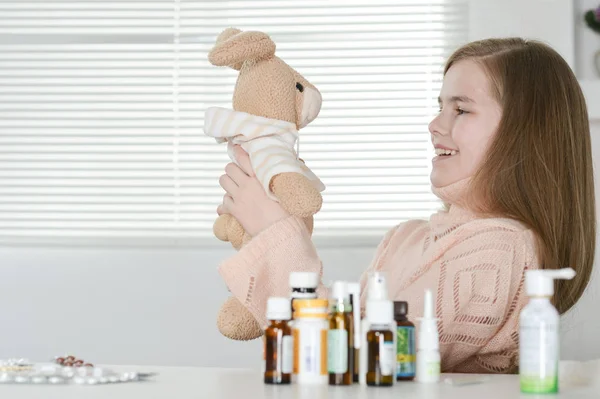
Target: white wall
(128, 306)
(158, 306)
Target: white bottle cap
(339, 290)
(380, 311)
(304, 280)
(428, 332)
(377, 288)
(279, 308)
(541, 282)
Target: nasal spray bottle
(539, 333)
(376, 292)
(428, 344)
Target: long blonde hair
(538, 169)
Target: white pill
(39, 379)
(113, 378)
(82, 372)
(98, 372)
(56, 380)
(48, 369)
(5, 378)
(79, 380)
(68, 372)
(21, 379)
(103, 380)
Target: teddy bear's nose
(300, 87)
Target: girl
(514, 168)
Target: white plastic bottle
(539, 342)
(428, 344)
(310, 341)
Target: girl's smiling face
(466, 124)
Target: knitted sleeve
(262, 267)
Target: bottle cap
(304, 280)
(541, 282)
(377, 288)
(339, 290)
(428, 332)
(278, 308)
(380, 311)
(400, 309)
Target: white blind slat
(102, 105)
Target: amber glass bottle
(381, 353)
(354, 292)
(340, 337)
(278, 343)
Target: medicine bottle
(340, 337)
(354, 292)
(310, 341)
(278, 342)
(381, 354)
(405, 343)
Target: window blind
(102, 103)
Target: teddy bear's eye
(299, 87)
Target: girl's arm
(261, 268)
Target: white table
(188, 382)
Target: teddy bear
(271, 103)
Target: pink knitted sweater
(476, 266)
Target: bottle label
(297, 350)
(323, 351)
(405, 351)
(310, 351)
(287, 352)
(538, 358)
(387, 357)
(337, 351)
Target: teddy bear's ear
(233, 48)
(226, 34)
(223, 36)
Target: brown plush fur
(266, 87)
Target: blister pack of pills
(63, 370)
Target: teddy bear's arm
(296, 194)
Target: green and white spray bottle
(539, 343)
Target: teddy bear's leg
(235, 233)
(296, 194)
(236, 322)
(220, 226)
(227, 228)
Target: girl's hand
(245, 197)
